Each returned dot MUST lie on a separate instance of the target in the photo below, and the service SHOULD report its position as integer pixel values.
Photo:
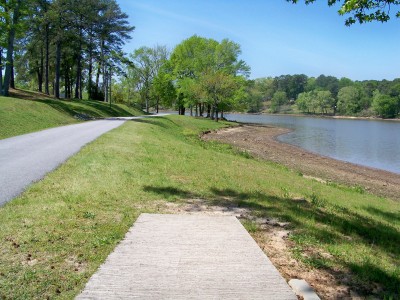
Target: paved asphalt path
(28, 158)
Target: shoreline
(261, 141)
(339, 117)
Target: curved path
(28, 158)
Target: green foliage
(325, 101)
(143, 71)
(250, 97)
(70, 40)
(322, 95)
(385, 106)
(208, 73)
(350, 100)
(292, 85)
(279, 98)
(163, 89)
(363, 11)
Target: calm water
(365, 142)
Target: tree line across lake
(73, 49)
(326, 95)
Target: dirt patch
(261, 142)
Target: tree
(304, 101)
(163, 89)
(201, 62)
(219, 88)
(349, 100)
(363, 11)
(324, 101)
(292, 85)
(12, 13)
(66, 40)
(385, 106)
(146, 64)
(278, 99)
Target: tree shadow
(60, 104)
(158, 121)
(332, 225)
(388, 216)
(168, 191)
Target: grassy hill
(26, 112)
(56, 234)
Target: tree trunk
(58, 64)
(79, 67)
(181, 110)
(208, 111)
(191, 110)
(66, 82)
(1, 71)
(89, 87)
(158, 101)
(110, 84)
(70, 85)
(12, 80)
(10, 49)
(222, 114)
(97, 81)
(104, 71)
(78, 78)
(212, 112)
(39, 77)
(197, 110)
(216, 113)
(46, 67)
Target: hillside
(62, 228)
(26, 112)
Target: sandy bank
(261, 142)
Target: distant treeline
(326, 95)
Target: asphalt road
(28, 158)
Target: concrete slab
(303, 289)
(187, 257)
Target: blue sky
(276, 37)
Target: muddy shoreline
(261, 141)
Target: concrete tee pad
(187, 257)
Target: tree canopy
(363, 11)
(65, 44)
(208, 74)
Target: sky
(276, 37)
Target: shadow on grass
(331, 225)
(76, 107)
(168, 191)
(388, 216)
(158, 121)
(89, 108)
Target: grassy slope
(19, 116)
(61, 229)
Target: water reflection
(371, 143)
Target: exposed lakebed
(372, 143)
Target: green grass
(62, 228)
(19, 116)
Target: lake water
(370, 143)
